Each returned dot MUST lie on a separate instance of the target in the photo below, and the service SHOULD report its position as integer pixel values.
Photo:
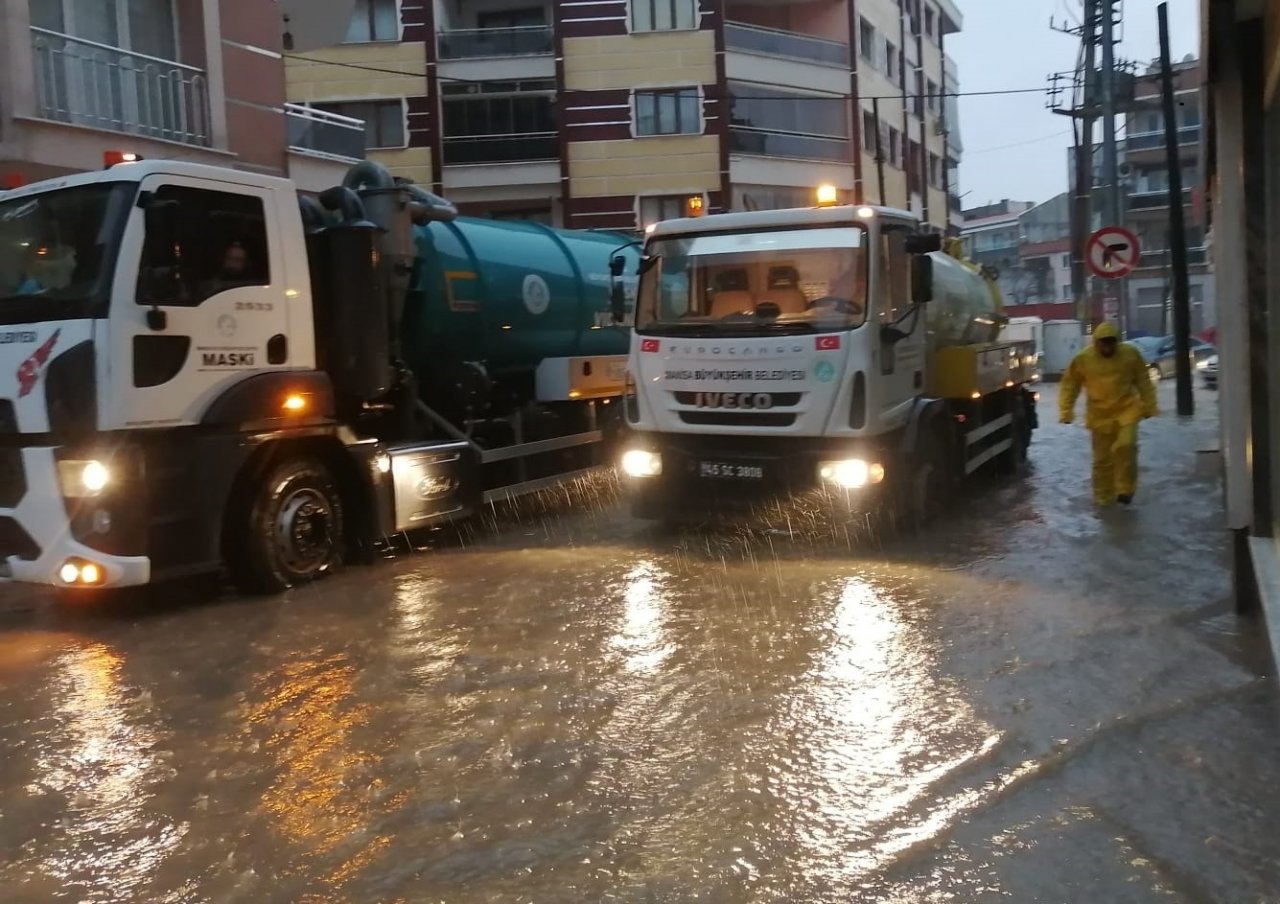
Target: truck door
(199, 301)
(901, 362)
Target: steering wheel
(843, 305)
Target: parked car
(1209, 369)
(1158, 352)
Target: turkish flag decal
(649, 345)
(827, 343)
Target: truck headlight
(83, 479)
(851, 473)
(642, 463)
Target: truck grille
(14, 541)
(779, 399)
(13, 479)
(740, 418)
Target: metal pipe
(1177, 229)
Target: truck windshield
(755, 283)
(57, 251)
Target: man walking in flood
(1118, 395)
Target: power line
(1018, 144)
(467, 81)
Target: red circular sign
(1112, 252)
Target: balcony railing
(789, 44)
(1154, 200)
(480, 43)
(104, 87)
(1162, 258)
(526, 148)
(778, 144)
(324, 134)
(1146, 141)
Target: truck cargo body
(824, 351)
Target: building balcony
(319, 133)
(786, 44)
(1161, 258)
(103, 87)
(781, 144)
(488, 43)
(1146, 141)
(526, 148)
(1155, 200)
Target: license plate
(730, 470)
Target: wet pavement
(1030, 702)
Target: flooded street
(1030, 702)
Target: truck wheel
(292, 531)
(927, 487)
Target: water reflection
(871, 729)
(325, 788)
(639, 637)
(100, 757)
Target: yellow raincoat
(1118, 394)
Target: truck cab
(781, 352)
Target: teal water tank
(509, 293)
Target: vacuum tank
(966, 308)
(506, 294)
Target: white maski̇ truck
(199, 367)
(835, 350)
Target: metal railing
(323, 133)
(779, 144)
(1146, 141)
(104, 87)
(530, 147)
(789, 44)
(1159, 257)
(479, 43)
(1153, 200)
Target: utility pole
(1177, 229)
(1083, 111)
(875, 111)
(1111, 213)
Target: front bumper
(789, 472)
(37, 537)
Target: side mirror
(923, 243)
(922, 279)
(617, 265)
(618, 302)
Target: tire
(1154, 373)
(926, 488)
(291, 533)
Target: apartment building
(198, 80)
(617, 113)
(1145, 170)
(993, 237)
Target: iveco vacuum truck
(200, 367)
(835, 350)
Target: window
(1066, 293)
(867, 41)
(931, 95)
(891, 62)
(1066, 261)
(774, 110)
(663, 15)
(917, 100)
(221, 244)
(656, 209)
(1189, 116)
(673, 112)
(928, 20)
(869, 132)
(895, 146)
(529, 17)
(895, 263)
(373, 20)
(383, 120)
(935, 170)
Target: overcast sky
(1008, 44)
